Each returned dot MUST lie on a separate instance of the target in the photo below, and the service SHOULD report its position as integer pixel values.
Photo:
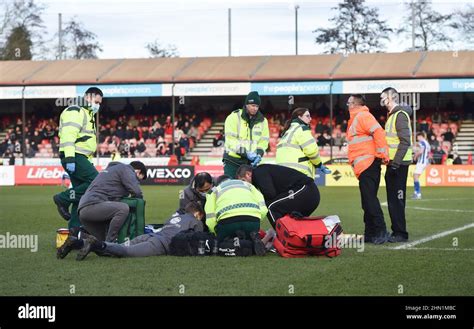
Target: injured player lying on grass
(151, 244)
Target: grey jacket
(117, 181)
(189, 195)
(176, 224)
(404, 134)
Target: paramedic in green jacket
(246, 136)
(236, 205)
(77, 145)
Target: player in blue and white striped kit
(422, 157)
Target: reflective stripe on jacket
(393, 139)
(366, 140)
(77, 132)
(297, 149)
(233, 198)
(243, 134)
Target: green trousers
(135, 224)
(80, 179)
(230, 230)
(230, 167)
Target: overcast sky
(199, 28)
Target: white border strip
(433, 237)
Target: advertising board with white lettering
(169, 175)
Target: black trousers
(304, 199)
(396, 181)
(369, 181)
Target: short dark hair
(193, 207)
(138, 165)
(242, 170)
(393, 93)
(421, 133)
(94, 91)
(200, 179)
(390, 90)
(221, 179)
(360, 98)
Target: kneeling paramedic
(235, 206)
(151, 244)
(285, 190)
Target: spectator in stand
(339, 140)
(146, 133)
(177, 135)
(456, 159)
(184, 142)
(36, 137)
(168, 126)
(48, 133)
(438, 155)
(135, 133)
(133, 122)
(218, 139)
(178, 152)
(324, 139)
(320, 127)
(424, 126)
(133, 148)
(185, 128)
(129, 133)
(120, 133)
(433, 142)
(157, 130)
(448, 136)
(141, 149)
(436, 117)
(160, 146)
(193, 133)
(344, 125)
(29, 153)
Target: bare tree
(78, 42)
(430, 26)
(356, 28)
(463, 21)
(156, 49)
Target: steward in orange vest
(367, 149)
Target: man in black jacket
(285, 190)
(398, 135)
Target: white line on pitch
(433, 237)
(385, 204)
(447, 249)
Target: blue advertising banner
(456, 85)
(128, 90)
(297, 88)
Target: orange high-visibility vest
(366, 140)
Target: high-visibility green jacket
(244, 134)
(233, 198)
(77, 132)
(298, 149)
(393, 135)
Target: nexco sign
(165, 175)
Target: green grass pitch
(443, 266)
